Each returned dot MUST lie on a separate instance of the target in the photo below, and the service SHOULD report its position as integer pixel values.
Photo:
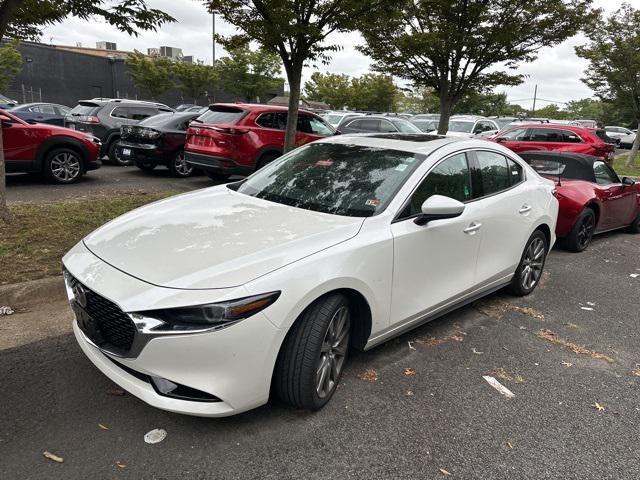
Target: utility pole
(535, 97)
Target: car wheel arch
(52, 143)
(267, 151)
(596, 210)
(544, 228)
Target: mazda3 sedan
(205, 302)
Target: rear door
(505, 214)
(618, 201)
(515, 139)
(310, 129)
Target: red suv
(237, 139)
(62, 154)
(556, 137)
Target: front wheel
(314, 353)
(529, 271)
(114, 157)
(635, 226)
(178, 166)
(64, 165)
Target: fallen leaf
(550, 336)
(409, 393)
(121, 465)
(509, 445)
(598, 407)
(476, 351)
(444, 472)
(369, 375)
(636, 371)
(103, 427)
(409, 372)
(54, 457)
(635, 275)
(567, 364)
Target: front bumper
(94, 165)
(234, 364)
(142, 153)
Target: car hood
(214, 238)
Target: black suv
(103, 117)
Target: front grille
(115, 326)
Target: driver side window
(604, 175)
(450, 178)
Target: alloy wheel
(181, 166)
(585, 232)
(333, 352)
(532, 264)
(65, 167)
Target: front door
(434, 264)
(618, 201)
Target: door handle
(525, 209)
(473, 228)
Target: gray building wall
(50, 74)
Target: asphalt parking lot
(569, 353)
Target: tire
(64, 165)
(178, 166)
(635, 226)
(582, 232)
(218, 177)
(113, 156)
(531, 265)
(266, 159)
(313, 355)
(146, 166)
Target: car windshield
(221, 114)
(426, 125)
(333, 119)
(460, 126)
(351, 180)
(405, 126)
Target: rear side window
(495, 174)
(546, 135)
(515, 172)
(85, 109)
(570, 137)
(449, 178)
(518, 134)
(222, 114)
(602, 135)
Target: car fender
(59, 141)
(266, 150)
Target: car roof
(578, 166)
(258, 107)
(414, 143)
(104, 101)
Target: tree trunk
(445, 113)
(5, 214)
(295, 79)
(634, 150)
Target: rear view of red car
(237, 139)
(560, 138)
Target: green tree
(330, 88)
(195, 79)
(152, 76)
(24, 19)
(614, 63)
(484, 104)
(248, 73)
(10, 63)
(456, 47)
(417, 100)
(295, 30)
(550, 111)
(373, 92)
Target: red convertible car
(593, 199)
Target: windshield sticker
(324, 163)
(372, 202)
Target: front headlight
(203, 317)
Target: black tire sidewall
(266, 159)
(113, 158)
(516, 284)
(55, 152)
(572, 239)
(172, 166)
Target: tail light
(231, 130)
(88, 119)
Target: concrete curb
(35, 292)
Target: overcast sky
(557, 71)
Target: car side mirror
(337, 132)
(438, 207)
(500, 139)
(628, 182)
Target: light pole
(213, 36)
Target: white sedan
(200, 303)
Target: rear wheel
(314, 353)
(582, 232)
(64, 165)
(179, 167)
(114, 157)
(218, 177)
(635, 226)
(529, 271)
